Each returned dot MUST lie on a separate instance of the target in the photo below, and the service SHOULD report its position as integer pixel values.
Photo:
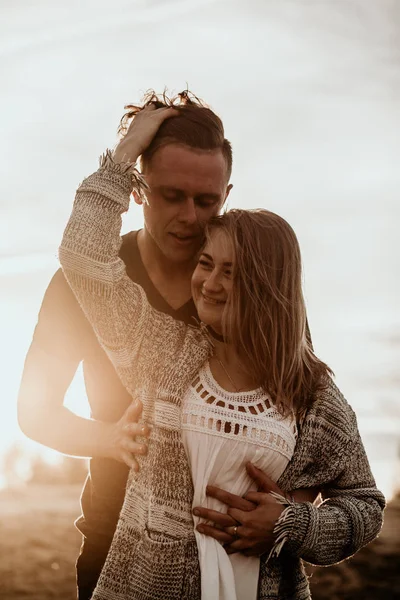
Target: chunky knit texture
(153, 554)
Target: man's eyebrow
(202, 195)
(170, 188)
(210, 258)
(209, 195)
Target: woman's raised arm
(115, 306)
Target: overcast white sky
(309, 92)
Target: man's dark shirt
(63, 331)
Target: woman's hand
(141, 132)
(248, 525)
(121, 444)
(254, 532)
(254, 515)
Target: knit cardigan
(153, 555)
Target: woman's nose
(212, 283)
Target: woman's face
(212, 279)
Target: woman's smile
(210, 300)
(212, 279)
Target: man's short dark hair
(197, 126)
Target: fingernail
(200, 528)
(144, 429)
(196, 512)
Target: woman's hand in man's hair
(141, 132)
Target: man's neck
(172, 280)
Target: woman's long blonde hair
(265, 319)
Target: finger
(133, 447)
(229, 499)
(261, 498)
(265, 483)
(152, 107)
(244, 533)
(219, 518)
(134, 429)
(218, 534)
(167, 113)
(240, 516)
(130, 461)
(234, 531)
(133, 411)
(239, 545)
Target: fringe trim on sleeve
(283, 526)
(139, 184)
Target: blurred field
(39, 545)
(38, 542)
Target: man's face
(187, 188)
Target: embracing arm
(89, 255)
(43, 417)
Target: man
(187, 167)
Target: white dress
(222, 431)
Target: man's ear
(137, 198)
(228, 189)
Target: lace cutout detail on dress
(249, 416)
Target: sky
(309, 94)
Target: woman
(244, 386)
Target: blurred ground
(38, 542)
(38, 547)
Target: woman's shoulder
(331, 414)
(327, 435)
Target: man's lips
(185, 238)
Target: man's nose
(188, 213)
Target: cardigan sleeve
(350, 516)
(126, 325)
